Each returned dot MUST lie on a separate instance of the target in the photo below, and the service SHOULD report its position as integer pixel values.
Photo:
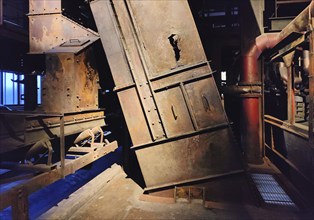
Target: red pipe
(251, 55)
(251, 137)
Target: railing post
(20, 204)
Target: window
(38, 89)
(223, 77)
(220, 16)
(235, 11)
(12, 89)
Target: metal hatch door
(205, 102)
(173, 111)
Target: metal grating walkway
(270, 190)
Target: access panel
(205, 102)
(174, 112)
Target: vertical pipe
(251, 132)
(262, 109)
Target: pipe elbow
(251, 55)
(266, 41)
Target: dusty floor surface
(118, 198)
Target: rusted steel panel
(172, 106)
(167, 33)
(139, 72)
(44, 6)
(174, 112)
(11, 125)
(205, 102)
(71, 81)
(134, 116)
(107, 27)
(50, 30)
(179, 75)
(191, 158)
(150, 108)
(37, 128)
(75, 45)
(11, 132)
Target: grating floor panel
(270, 190)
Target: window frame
(18, 89)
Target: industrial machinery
(167, 92)
(65, 133)
(163, 80)
(168, 96)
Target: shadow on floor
(44, 199)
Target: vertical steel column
(62, 147)
(311, 102)
(311, 87)
(30, 92)
(1, 12)
(290, 94)
(146, 77)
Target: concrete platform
(114, 196)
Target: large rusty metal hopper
(70, 82)
(167, 91)
(71, 78)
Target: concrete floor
(112, 195)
